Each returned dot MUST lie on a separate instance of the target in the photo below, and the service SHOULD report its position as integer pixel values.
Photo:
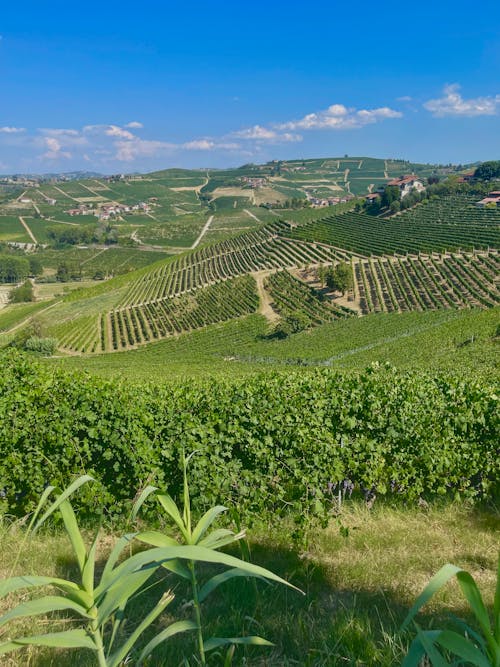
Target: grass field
(358, 588)
(441, 340)
(11, 229)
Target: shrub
(273, 445)
(23, 293)
(44, 346)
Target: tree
(291, 323)
(340, 278)
(488, 170)
(23, 293)
(391, 193)
(36, 268)
(395, 206)
(322, 274)
(13, 269)
(62, 274)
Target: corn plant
(99, 607)
(481, 649)
(204, 544)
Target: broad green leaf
(43, 605)
(177, 568)
(140, 501)
(156, 539)
(206, 521)
(83, 479)
(220, 538)
(89, 567)
(43, 499)
(74, 533)
(427, 639)
(68, 639)
(415, 654)
(16, 583)
(115, 554)
(219, 579)
(473, 597)
(228, 660)
(120, 655)
(437, 581)
(216, 642)
(417, 651)
(120, 593)
(462, 647)
(158, 555)
(174, 629)
(172, 510)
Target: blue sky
(126, 86)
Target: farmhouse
(254, 182)
(493, 198)
(407, 183)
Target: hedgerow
(274, 445)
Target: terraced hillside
(410, 262)
(253, 251)
(436, 226)
(426, 282)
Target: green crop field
(11, 229)
(351, 422)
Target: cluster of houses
(254, 182)
(108, 211)
(493, 199)
(317, 202)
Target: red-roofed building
(492, 198)
(407, 183)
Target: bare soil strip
(251, 215)
(65, 194)
(21, 220)
(203, 232)
(265, 307)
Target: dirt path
(37, 209)
(96, 194)
(65, 194)
(32, 236)
(386, 175)
(360, 164)
(346, 175)
(251, 215)
(27, 319)
(265, 307)
(203, 232)
(94, 256)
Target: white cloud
(128, 151)
(115, 131)
(199, 145)
(12, 130)
(404, 98)
(54, 151)
(453, 104)
(256, 132)
(340, 117)
(260, 133)
(134, 124)
(59, 132)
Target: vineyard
(290, 295)
(426, 282)
(252, 251)
(433, 227)
(128, 327)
